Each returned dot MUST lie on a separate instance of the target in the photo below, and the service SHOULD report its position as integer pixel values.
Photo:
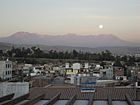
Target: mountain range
(74, 40)
(87, 43)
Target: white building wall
(76, 66)
(19, 88)
(5, 69)
(56, 68)
(27, 68)
(67, 65)
(86, 66)
(72, 79)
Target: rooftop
(71, 95)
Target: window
(10, 66)
(6, 66)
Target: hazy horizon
(66, 34)
(60, 17)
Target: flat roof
(84, 102)
(73, 96)
(101, 93)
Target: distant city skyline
(59, 17)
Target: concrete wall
(19, 88)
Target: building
(119, 73)
(27, 68)
(71, 72)
(6, 70)
(18, 88)
(76, 68)
(40, 81)
(138, 76)
(67, 66)
(137, 55)
(84, 69)
(16, 69)
(95, 69)
(106, 73)
(35, 72)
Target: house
(72, 70)
(6, 70)
(76, 66)
(17, 68)
(35, 71)
(106, 73)
(84, 68)
(119, 73)
(26, 69)
(95, 69)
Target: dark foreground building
(72, 95)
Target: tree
(117, 62)
(124, 58)
(75, 53)
(1, 53)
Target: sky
(59, 17)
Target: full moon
(101, 26)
